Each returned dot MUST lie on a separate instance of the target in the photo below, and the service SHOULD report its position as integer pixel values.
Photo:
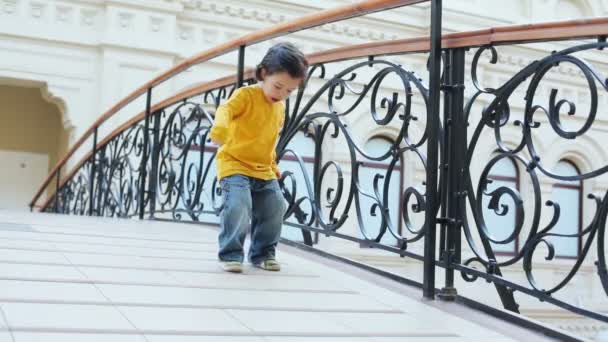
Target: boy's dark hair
(283, 57)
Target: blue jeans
(250, 200)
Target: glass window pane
(565, 168)
(569, 200)
(304, 146)
(505, 168)
(376, 147)
(500, 226)
(502, 174)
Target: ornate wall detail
(37, 9)
(125, 20)
(209, 35)
(50, 96)
(88, 17)
(272, 17)
(156, 24)
(64, 14)
(9, 6)
(186, 32)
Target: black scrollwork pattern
(539, 111)
(351, 187)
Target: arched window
(378, 146)
(569, 197)
(503, 174)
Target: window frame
(579, 187)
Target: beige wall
(30, 124)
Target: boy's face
(278, 86)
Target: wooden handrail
(564, 30)
(298, 24)
(554, 31)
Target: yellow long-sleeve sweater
(248, 126)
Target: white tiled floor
(175, 338)
(69, 279)
(31, 256)
(41, 291)
(286, 322)
(108, 240)
(201, 321)
(380, 323)
(23, 270)
(259, 281)
(128, 275)
(241, 298)
(64, 317)
(76, 337)
(86, 259)
(365, 339)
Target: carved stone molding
(50, 95)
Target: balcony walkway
(68, 278)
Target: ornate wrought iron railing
(161, 164)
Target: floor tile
(41, 291)
(76, 337)
(150, 320)
(64, 317)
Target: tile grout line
(8, 327)
(101, 253)
(198, 306)
(227, 312)
(178, 284)
(224, 333)
(103, 244)
(142, 268)
(101, 235)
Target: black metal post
(455, 135)
(432, 154)
(444, 165)
(100, 189)
(240, 67)
(92, 176)
(453, 203)
(144, 158)
(57, 180)
(154, 168)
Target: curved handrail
(562, 30)
(298, 24)
(515, 34)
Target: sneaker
(232, 266)
(269, 265)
